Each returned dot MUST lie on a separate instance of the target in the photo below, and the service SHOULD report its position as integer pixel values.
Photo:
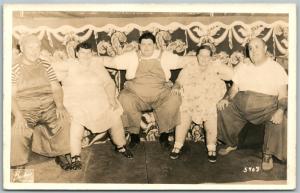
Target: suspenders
(140, 56)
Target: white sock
(211, 147)
(178, 145)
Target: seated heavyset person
(90, 98)
(258, 95)
(148, 87)
(40, 120)
(202, 86)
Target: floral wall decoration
(227, 40)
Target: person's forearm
(184, 61)
(226, 95)
(15, 107)
(282, 98)
(230, 93)
(110, 89)
(58, 95)
(177, 85)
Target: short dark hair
(147, 35)
(206, 47)
(84, 45)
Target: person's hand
(62, 118)
(222, 104)
(20, 124)
(114, 104)
(176, 89)
(169, 84)
(61, 113)
(277, 117)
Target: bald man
(40, 121)
(258, 95)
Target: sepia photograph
(149, 96)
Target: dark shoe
(76, 162)
(19, 167)
(134, 140)
(212, 156)
(175, 153)
(125, 152)
(164, 140)
(64, 161)
(267, 163)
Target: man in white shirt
(258, 95)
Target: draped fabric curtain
(182, 39)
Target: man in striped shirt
(39, 120)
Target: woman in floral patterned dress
(201, 85)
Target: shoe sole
(267, 169)
(212, 161)
(59, 163)
(226, 152)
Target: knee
(124, 97)
(117, 123)
(127, 100)
(20, 140)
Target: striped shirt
(16, 70)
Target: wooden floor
(151, 164)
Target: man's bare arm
(230, 94)
(20, 124)
(58, 97)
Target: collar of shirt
(154, 55)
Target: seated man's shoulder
(126, 56)
(275, 65)
(243, 67)
(131, 53)
(191, 57)
(191, 61)
(165, 53)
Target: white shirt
(266, 78)
(129, 61)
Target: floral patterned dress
(202, 88)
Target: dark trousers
(256, 108)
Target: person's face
(257, 51)
(204, 56)
(147, 47)
(31, 50)
(84, 54)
